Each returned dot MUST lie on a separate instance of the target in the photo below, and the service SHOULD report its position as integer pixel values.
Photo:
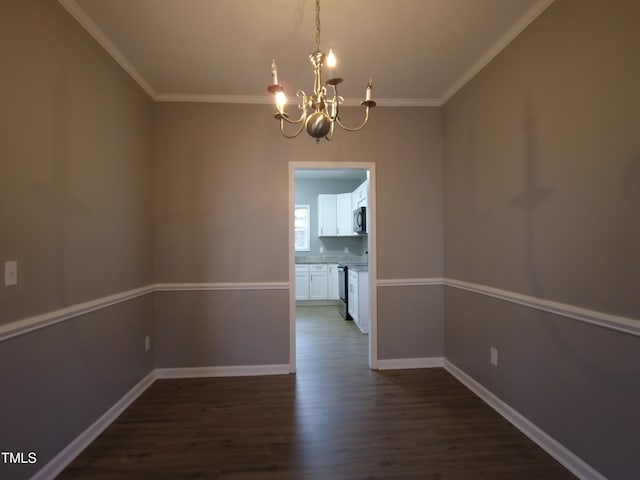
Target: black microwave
(360, 220)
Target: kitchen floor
(323, 336)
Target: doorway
(334, 167)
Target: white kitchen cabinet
(302, 282)
(318, 282)
(352, 307)
(327, 215)
(358, 300)
(332, 282)
(335, 215)
(344, 214)
(359, 197)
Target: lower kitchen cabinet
(316, 281)
(358, 306)
(302, 282)
(318, 278)
(332, 282)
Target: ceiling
(331, 174)
(418, 52)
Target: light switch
(10, 273)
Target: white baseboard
(405, 363)
(558, 451)
(82, 441)
(317, 303)
(226, 371)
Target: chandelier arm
(303, 115)
(329, 135)
(293, 122)
(335, 101)
(366, 119)
(284, 134)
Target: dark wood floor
(335, 419)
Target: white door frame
(371, 230)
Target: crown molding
(90, 26)
(267, 100)
(205, 98)
(524, 21)
(403, 102)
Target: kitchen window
(302, 228)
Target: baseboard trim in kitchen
(406, 363)
(58, 463)
(571, 462)
(223, 371)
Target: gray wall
(541, 158)
(416, 329)
(221, 215)
(306, 192)
(76, 213)
(101, 191)
(222, 328)
(542, 162)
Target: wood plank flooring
(334, 420)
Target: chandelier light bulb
(331, 59)
(281, 101)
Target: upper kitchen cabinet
(327, 215)
(344, 213)
(335, 215)
(359, 197)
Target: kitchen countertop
(358, 267)
(346, 259)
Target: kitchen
(331, 242)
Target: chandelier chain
(317, 25)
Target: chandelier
(319, 113)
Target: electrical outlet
(346, 249)
(147, 343)
(493, 356)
